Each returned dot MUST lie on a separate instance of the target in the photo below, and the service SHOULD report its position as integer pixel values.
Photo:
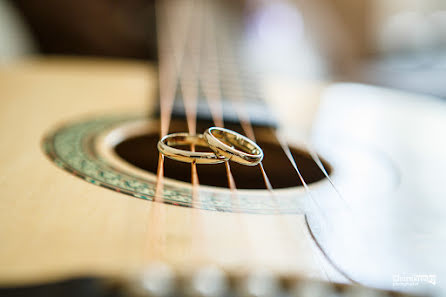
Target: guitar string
(290, 157)
(322, 218)
(249, 131)
(211, 86)
(172, 42)
(190, 93)
(185, 54)
(155, 214)
(237, 95)
(189, 85)
(242, 115)
(321, 166)
(170, 46)
(167, 103)
(237, 90)
(168, 73)
(244, 119)
(209, 75)
(210, 78)
(231, 181)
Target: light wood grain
(386, 149)
(53, 224)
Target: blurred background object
(99, 28)
(408, 48)
(15, 38)
(395, 43)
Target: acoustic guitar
(350, 189)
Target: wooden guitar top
(386, 149)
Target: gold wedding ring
(233, 146)
(167, 143)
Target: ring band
(165, 146)
(233, 146)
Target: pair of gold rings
(227, 145)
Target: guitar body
(54, 224)
(383, 148)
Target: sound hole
(141, 151)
